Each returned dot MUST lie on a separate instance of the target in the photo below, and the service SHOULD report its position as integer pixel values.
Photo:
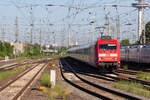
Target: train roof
(146, 46)
(82, 46)
(124, 47)
(86, 45)
(134, 46)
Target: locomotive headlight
(113, 55)
(102, 55)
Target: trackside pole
(53, 78)
(6, 58)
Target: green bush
(145, 76)
(132, 87)
(57, 91)
(32, 50)
(45, 79)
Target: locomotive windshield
(107, 47)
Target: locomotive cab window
(107, 47)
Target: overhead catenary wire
(76, 14)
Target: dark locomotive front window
(107, 47)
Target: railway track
(15, 88)
(116, 76)
(131, 72)
(132, 79)
(62, 64)
(12, 66)
(89, 82)
(3, 60)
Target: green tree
(36, 50)
(1, 49)
(6, 49)
(125, 42)
(27, 52)
(136, 42)
(147, 32)
(32, 50)
(62, 50)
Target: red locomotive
(104, 53)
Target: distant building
(18, 48)
(76, 43)
(47, 46)
(50, 51)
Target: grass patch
(19, 59)
(145, 76)
(54, 63)
(6, 74)
(45, 79)
(133, 87)
(57, 92)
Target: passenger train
(103, 54)
(136, 54)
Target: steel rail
(127, 72)
(17, 96)
(14, 66)
(79, 87)
(113, 91)
(22, 74)
(123, 77)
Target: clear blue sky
(55, 19)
